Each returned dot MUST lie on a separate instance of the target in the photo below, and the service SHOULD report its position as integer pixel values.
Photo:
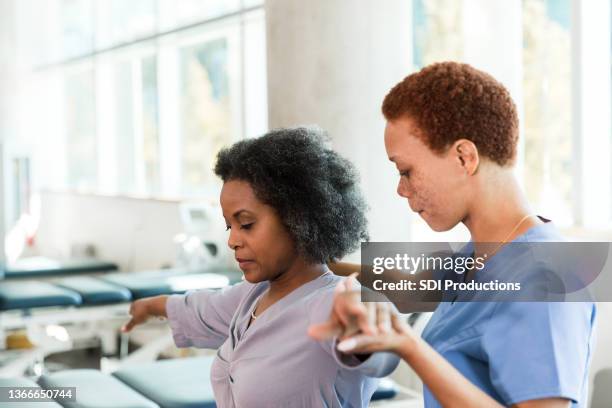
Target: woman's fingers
(138, 315)
(398, 324)
(339, 288)
(371, 328)
(387, 331)
(325, 331)
(360, 317)
(349, 315)
(383, 318)
(347, 306)
(129, 326)
(349, 281)
(361, 344)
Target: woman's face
(262, 245)
(435, 185)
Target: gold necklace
(505, 240)
(500, 245)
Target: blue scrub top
(517, 351)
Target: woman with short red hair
(452, 134)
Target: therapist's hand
(348, 316)
(388, 332)
(362, 327)
(143, 309)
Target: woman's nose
(403, 190)
(234, 241)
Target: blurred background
(112, 111)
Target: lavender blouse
(274, 363)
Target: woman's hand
(348, 315)
(141, 310)
(362, 328)
(345, 269)
(387, 333)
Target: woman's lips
(243, 263)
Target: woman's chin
(252, 276)
(439, 225)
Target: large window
(150, 126)
(547, 122)
(206, 114)
(438, 25)
(80, 125)
(151, 90)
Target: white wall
(331, 64)
(135, 233)
(8, 75)
(7, 66)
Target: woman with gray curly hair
(291, 205)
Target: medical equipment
(203, 244)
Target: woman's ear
(467, 155)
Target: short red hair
(450, 101)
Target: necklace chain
(505, 240)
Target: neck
(295, 276)
(499, 207)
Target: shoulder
(319, 302)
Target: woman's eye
(404, 173)
(227, 228)
(247, 226)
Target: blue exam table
(42, 267)
(106, 289)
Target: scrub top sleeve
(539, 350)
(376, 365)
(202, 318)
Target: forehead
(403, 141)
(238, 193)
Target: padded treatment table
(24, 382)
(177, 383)
(165, 282)
(42, 267)
(96, 390)
(95, 291)
(28, 295)
(113, 288)
(185, 382)
(386, 390)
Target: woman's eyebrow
(241, 212)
